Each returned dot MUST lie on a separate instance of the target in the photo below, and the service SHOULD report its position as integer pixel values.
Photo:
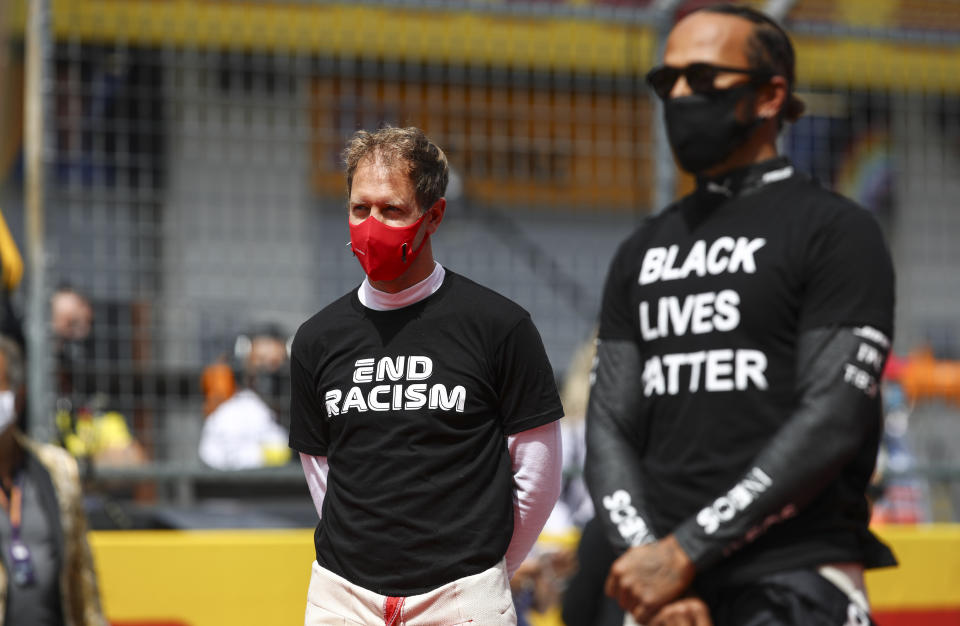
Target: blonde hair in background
(575, 392)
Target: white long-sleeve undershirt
(316, 468)
(536, 454)
(537, 460)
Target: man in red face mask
(425, 413)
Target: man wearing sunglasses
(734, 419)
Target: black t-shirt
(715, 290)
(412, 407)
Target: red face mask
(384, 251)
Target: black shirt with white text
(412, 407)
(715, 291)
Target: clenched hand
(647, 577)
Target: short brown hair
(424, 161)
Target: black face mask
(74, 352)
(273, 387)
(267, 383)
(703, 127)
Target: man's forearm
(838, 372)
(612, 468)
(537, 459)
(315, 470)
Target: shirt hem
(811, 554)
(306, 448)
(404, 592)
(534, 421)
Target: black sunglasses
(700, 77)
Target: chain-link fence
(193, 196)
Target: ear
(771, 98)
(435, 215)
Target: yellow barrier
(929, 572)
(464, 37)
(204, 578)
(211, 578)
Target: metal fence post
(36, 92)
(665, 172)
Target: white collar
(383, 301)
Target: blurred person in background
(47, 568)
(540, 581)
(561, 581)
(735, 417)
(425, 412)
(71, 318)
(584, 602)
(87, 427)
(243, 401)
(574, 507)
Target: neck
(746, 179)
(11, 454)
(377, 300)
(419, 270)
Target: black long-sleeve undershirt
(838, 371)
